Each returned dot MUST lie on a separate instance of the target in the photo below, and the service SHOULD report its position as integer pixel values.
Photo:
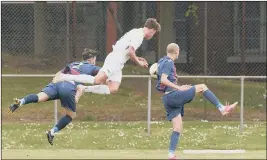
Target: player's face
(177, 53)
(150, 34)
(92, 60)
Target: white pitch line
(213, 151)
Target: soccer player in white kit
(111, 72)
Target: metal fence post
(68, 32)
(205, 52)
(242, 105)
(55, 111)
(149, 106)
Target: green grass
(131, 98)
(126, 136)
(118, 154)
(133, 136)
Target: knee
(178, 128)
(97, 81)
(72, 114)
(204, 87)
(201, 88)
(42, 97)
(113, 90)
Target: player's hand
(143, 64)
(187, 86)
(184, 87)
(142, 60)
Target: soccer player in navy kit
(68, 92)
(174, 96)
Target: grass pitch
(130, 140)
(119, 154)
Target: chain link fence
(49, 35)
(215, 38)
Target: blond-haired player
(175, 97)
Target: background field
(108, 139)
(107, 125)
(131, 98)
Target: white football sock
(78, 78)
(221, 108)
(21, 101)
(98, 89)
(52, 132)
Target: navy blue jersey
(166, 66)
(81, 68)
(65, 91)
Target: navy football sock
(174, 141)
(62, 123)
(212, 98)
(31, 98)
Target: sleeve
(167, 67)
(136, 40)
(95, 70)
(65, 70)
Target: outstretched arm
(138, 60)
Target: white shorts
(114, 76)
(112, 68)
(113, 65)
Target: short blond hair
(151, 23)
(172, 48)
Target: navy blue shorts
(65, 91)
(174, 102)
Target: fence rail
(242, 78)
(143, 76)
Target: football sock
(173, 143)
(98, 89)
(31, 98)
(213, 99)
(62, 123)
(78, 78)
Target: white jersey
(132, 38)
(115, 60)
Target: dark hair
(151, 23)
(88, 53)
